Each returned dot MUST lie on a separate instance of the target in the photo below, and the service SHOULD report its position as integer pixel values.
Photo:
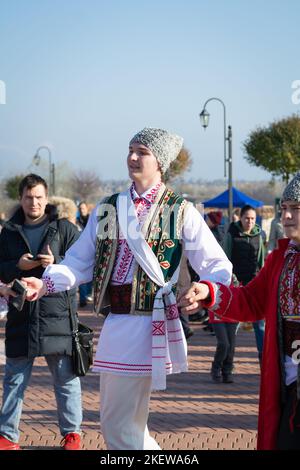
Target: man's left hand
(46, 259)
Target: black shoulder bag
(82, 340)
(82, 347)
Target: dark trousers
(289, 429)
(185, 323)
(84, 291)
(225, 335)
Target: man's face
(33, 202)
(83, 210)
(290, 217)
(248, 220)
(142, 164)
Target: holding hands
(190, 301)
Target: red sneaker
(6, 444)
(71, 441)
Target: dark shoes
(209, 328)
(216, 376)
(84, 301)
(188, 333)
(228, 379)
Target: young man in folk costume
(133, 244)
(273, 294)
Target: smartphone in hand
(20, 290)
(35, 258)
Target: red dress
(256, 301)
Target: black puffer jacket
(247, 252)
(42, 327)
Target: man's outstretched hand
(190, 301)
(35, 288)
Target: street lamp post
(204, 119)
(37, 159)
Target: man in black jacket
(30, 241)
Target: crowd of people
(128, 255)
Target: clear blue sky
(83, 76)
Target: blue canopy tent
(239, 200)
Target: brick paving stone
(193, 413)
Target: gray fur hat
(164, 146)
(292, 191)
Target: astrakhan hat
(164, 145)
(292, 191)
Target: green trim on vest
(163, 236)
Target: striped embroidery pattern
(126, 367)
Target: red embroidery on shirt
(124, 257)
(289, 292)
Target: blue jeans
(66, 387)
(85, 290)
(259, 330)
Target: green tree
(11, 186)
(276, 148)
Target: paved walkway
(193, 413)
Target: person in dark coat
(244, 246)
(29, 242)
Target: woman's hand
(190, 301)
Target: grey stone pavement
(192, 414)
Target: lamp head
(36, 159)
(204, 118)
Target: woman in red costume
(273, 295)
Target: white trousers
(124, 410)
